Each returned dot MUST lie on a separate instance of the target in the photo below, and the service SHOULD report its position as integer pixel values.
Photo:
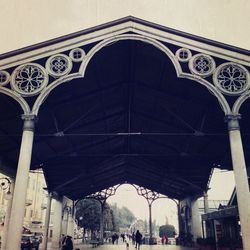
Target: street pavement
(122, 246)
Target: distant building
(35, 203)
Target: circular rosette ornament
(183, 54)
(202, 65)
(4, 78)
(29, 79)
(77, 55)
(59, 65)
(231, 78)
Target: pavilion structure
(125, 102)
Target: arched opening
(130, 119)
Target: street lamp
(5, 185)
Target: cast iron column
(21, 183)
(241, 179)
(150, 224)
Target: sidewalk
(131, 247)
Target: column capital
(233, 121)
(205, 194)
(29, 122)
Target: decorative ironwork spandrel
(4, 78)
(59, 65)
(183, 54)
(149, 195)
(29, 79)
(231, 78)
(202, 65)
(77, 55)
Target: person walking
(138, 238)
(68, 243)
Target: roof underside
(130, 119)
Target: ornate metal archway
(29, 77)
(148, 194)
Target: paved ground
(131, 247)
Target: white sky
(221, 188)
(29, 22)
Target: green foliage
(90, 211)
(123, 217)
(114, 217)
(167, 230)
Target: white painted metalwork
(4, 78)
(231, 78)
(59, 65)
(225, 107)
(183, 54)
(29, 79)
(77, 55)
(202, 65)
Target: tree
(108, 218)
(123, 217)
(167, 230)
(90, 211)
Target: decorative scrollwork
(4, 78)
(77, 54)
(29, 79)
(231, 78)
(183, 54)
(104, 194)
(59, 65)
(148, 194)
(202, 65)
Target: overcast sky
(221, 188)
(29, 22)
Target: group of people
(136, 238)
(66, 243)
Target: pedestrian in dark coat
(138, 238)
(68, 243)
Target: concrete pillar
(21, 183)
(57, 223)
(196, 220)
(241, 179)
(7, 217)
(46, 223)
(205, 199)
